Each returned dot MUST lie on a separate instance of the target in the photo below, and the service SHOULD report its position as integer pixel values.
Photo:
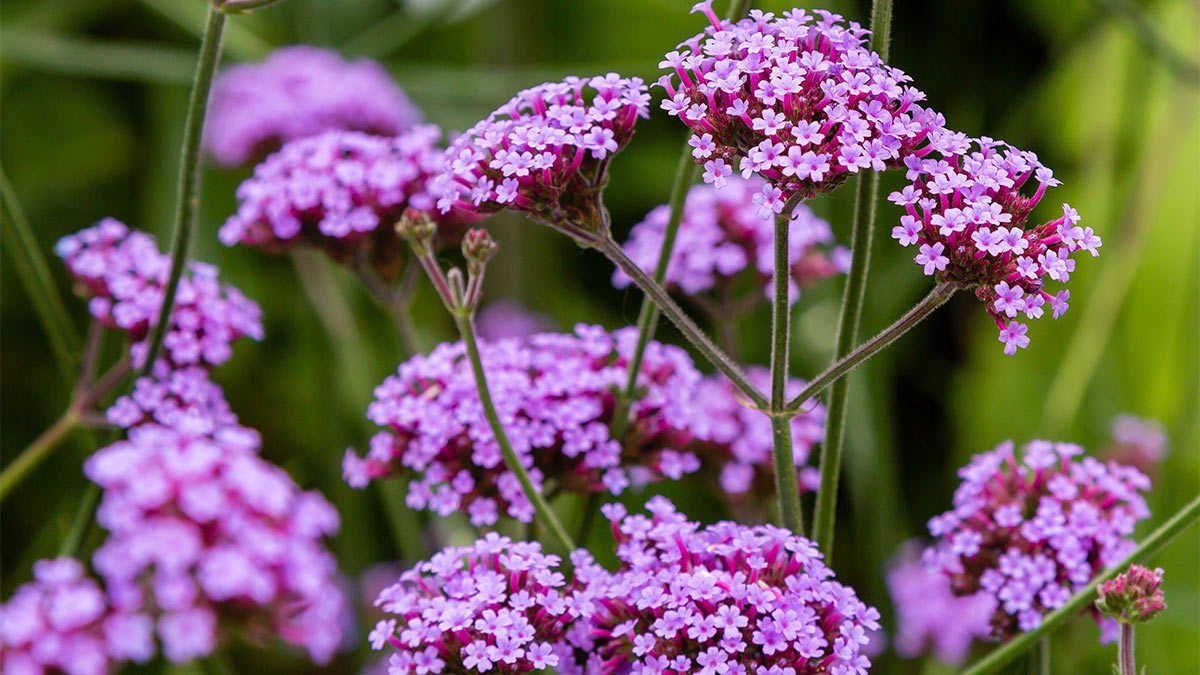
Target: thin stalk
(787, 489)
(39, 285)
(657, 294)
(685, 173)
(81, 523)
(38, 450)
(1151, 545)
(1043, 652)
(590, 509)
(1125, 650)
(466, 328)
(936, 298)
(187, 190)
(862, 231)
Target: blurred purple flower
(1138, 442)
(511, 319)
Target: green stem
(1125, 650)
(466, 328)
(862, 231)
(787, 489)
(685, 173)
(1044, 655)
(187, 192)
(81, 523)
(1152, 544)
(37, 451)
(936, 297)
(39, 285)
(690, 330)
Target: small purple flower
(930, 616)
(776, 602)
(797, 99)
(967, 212)
(727, 231)
(555, 394)
(62, 621)
(546, 152)
(496, 606)
(1042, 526)
(298, 92)
(124, 273)
(343, 192)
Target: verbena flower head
(968, 216)
(555, 395)
(736, 441)
(1138, 442)
(181, 398)
(63, 622)
(297, 92)
(1133, 596)
(725, 599)
(124, 272)
(1033, 531)
(203, 531)
(797, 99)
(496, 606)
(546, 152)
(930, 616)
(342, 191)
(725, 232)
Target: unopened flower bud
(418, 228)
(478, 247)
(1134, 596)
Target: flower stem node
(1134, 596)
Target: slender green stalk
(657, 294)
(787, 489)
(187, 192)
(39, 285)
(1125, 650)
(81, 523)
(466, 328)
(1043, 655)
(936, 298)
(1152, 544)
(685, 173)
(863, 228)
(37, 451)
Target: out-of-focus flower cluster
(930, 616)
(725, 232)
(496, 606)
(968, 216)
(797, 99)
(546, 152)
(1138, 442)
(511, 319)
(297, 92)
(555, 395)
(1033, 531)
(718, 600)
(62, 621)
(1133, 596)
(124, 273)
(736, 439)
(182, 399)
(342, 191)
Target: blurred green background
(1105, 91)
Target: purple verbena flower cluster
(725, 599)
(63, 622)
(204, 531)
(124, 273)
(555, 394)
(297, 92)
(1033, 531)
(968, 216)
(736, 439)
(930, 616)
(797, 99)
(496, 606)
(724, 232)
(342, 191)
(546, 152)
(1138, 442)
(182, 399)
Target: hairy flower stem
(1152, 544)
(862, 231)
(685, 173)
(39, 285)
(466, 328)
(787, 489)
(659, 296)
(187, 190)
(1125, 650)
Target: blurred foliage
(1104, 91)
